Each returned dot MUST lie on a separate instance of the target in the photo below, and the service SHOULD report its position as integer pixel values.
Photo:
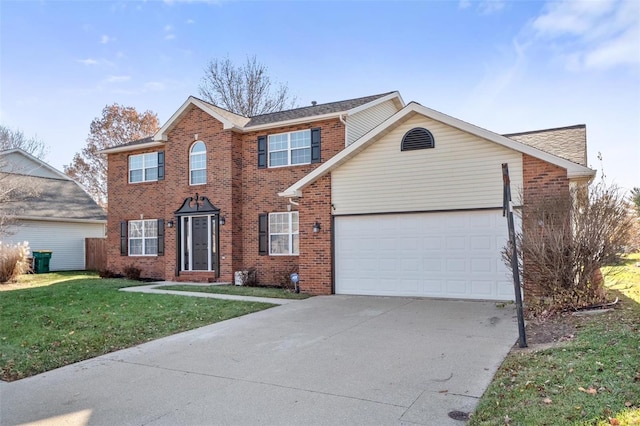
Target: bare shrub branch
(564, 241)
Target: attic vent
(417, 138)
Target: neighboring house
(365, 196)
(50, 211)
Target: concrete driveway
(325, 360)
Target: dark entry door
(200, 243)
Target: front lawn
(238, 290)
(82, 316)
(592, 378)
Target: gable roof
(239, 123)
(56, 199)
(566, 142)
(36, 164)
(574, 170)
(313, 110)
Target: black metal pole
(508, 211)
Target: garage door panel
(454, 254)
(456, 243)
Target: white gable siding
(18, 163)
(65, 239)
(361, 122)
(462, 172)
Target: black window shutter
(263, 234)
(315, 145)
(262, 152)
(160, 237)
(123, 238)
(161, 165)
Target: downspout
(343, 121)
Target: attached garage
(416, 207)
(444, 254)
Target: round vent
(417, 138)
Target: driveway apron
(325, 360)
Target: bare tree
(117, 125)
(15, 184)
(14, 189)
(635, 198)
(246, 89)
(10, 139)
(564, 241)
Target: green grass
(277, 293)
(76, 317)
(589, 381)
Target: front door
(200, 234)
(198, 243)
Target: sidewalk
(156, 288)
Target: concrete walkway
(156, 288)
(330, 360)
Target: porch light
(222, 220)
(316, 227)
(170, 224)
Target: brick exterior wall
(540, 179)
(234, 185)
(316, 257)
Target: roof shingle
(311, 111)
(569, 142)
(56, 198)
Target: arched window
(198, 164)
(417, 138)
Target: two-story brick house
(364, 196)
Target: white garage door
(452, 255)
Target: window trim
(290, 233)
(191, 169)
(289, 150)
(144, 156)
(143, 238)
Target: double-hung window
(143, 237)
(283, 234)
(287, 149)
(198, 164)
(143, 167)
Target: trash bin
(41, 261)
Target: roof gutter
(117, 149)
(60, 219)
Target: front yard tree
(244, 89)
(117, 125)
(11, 139)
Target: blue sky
(505, 66)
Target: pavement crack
(176, 370)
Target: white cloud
(105, 39)
(117, 78)
(464, 4)
(623, 50)
(485, 7)
(168, 29)
(600, 34)
(88, 61)
(190, 21)
(572, 17)
(488, 7)
(154, 86)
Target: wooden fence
(95, 250)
